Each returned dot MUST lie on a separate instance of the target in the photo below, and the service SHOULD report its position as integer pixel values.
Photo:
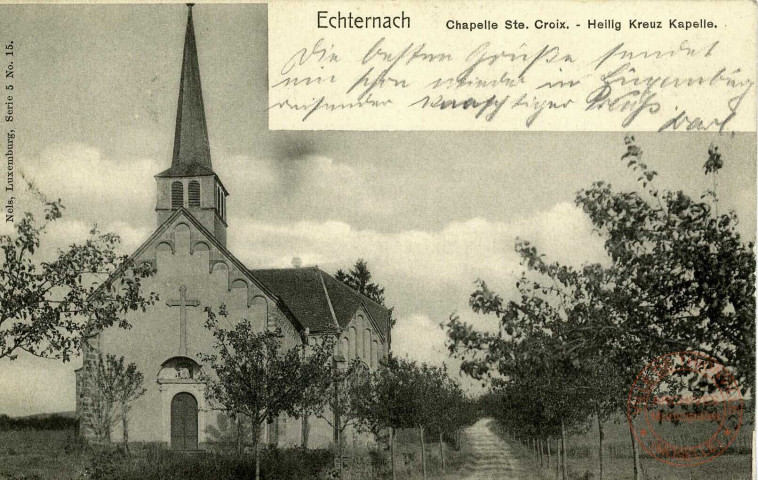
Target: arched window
(374, 350)
(223, 204)
(273, 432)
(345, 349)
(367, 346)
(177, 195)
(359, 345)
(193, 191)
(220, 203)
(351, 343)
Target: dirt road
(491, 457)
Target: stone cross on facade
(183, 303)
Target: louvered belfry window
(220, 203)
(177, 195)
(193, 191)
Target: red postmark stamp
(685, 408)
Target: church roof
(318, 300)
(171, 220)
(192, 154)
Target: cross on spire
(183, 303)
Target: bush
(150, 463)
(294, 463)
(105, 464)
(74, 444)
(39, 422)
(366, 463)
(23, 476)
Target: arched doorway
(184, 422)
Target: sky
(431, 212)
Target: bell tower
(190, 182)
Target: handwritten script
(389, 80)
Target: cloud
(420, 339)
(427, 274)
(93, 187)
(66, 231)
(292, 145)
(459, 252)
(308, 186)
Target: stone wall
(84, 390)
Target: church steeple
(191, 148)
(190, 182)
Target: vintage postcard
(371, 240)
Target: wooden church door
(184, 422)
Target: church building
(193, 270)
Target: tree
(48, 308)
(129, 389)
(587, 331)
(404, 394)
(255, 376)
(359, 279)
(460, 411)
(686, 279)
(334, 398)
(387, 401)
(431, 385)
(115, 385)
(530, 362)
(679, 278)
(451, 410)
(447, 409)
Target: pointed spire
(192, 154)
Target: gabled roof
(318, 300)
(208, 236)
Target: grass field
(617, 438)
(43, 454)
(56, 455)
(583, 459)
(726, 467)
